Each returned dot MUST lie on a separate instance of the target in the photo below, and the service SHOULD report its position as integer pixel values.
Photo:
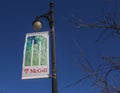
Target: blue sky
(16, 19)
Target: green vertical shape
(36, 51)
(44, 51)
(28, 52)
(36, 55)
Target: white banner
(36, 56)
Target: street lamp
(37, 24)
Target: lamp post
(37, 26)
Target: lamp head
(37, 24)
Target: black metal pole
(50, 17)
(53, 46)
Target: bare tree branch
(100, 76)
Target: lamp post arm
(46, 15)
(49, 16)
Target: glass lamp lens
(37, 25)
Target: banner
(36, 56)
